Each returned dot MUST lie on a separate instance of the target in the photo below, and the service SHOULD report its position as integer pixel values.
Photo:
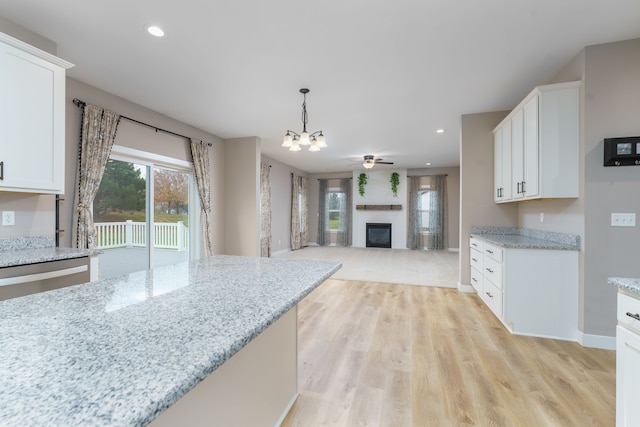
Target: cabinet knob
(634, 316)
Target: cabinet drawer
(476, 279)
(629, 311)
(476, 244)
(492, 296)
(475, 259)
(492, 271)
(492, 251)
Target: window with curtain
(426, 227)
(334, 217)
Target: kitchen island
(120, 352)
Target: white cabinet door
(517, 155)
(502, 163)
(531, 144)
(627, 378)
(32, 93)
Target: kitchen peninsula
(131, 350)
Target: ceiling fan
(370, 161)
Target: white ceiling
(383, 75)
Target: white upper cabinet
(544, 137)
(502, 168)
(32, 124)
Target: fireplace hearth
(378, 235)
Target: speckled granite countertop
(626, 283)
(34, 249)
(119, 352)
(524, 238)
(34, 256)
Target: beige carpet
(402, 266)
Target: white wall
(378, 192)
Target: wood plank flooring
(373, 354)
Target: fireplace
(378, 235)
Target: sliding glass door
(142, 216)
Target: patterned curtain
(295, 213)
(200, 155)
(265, 210)
(304, 223)
(322, 212)
(414, 226)
(438, 213)
(96, 139)
(344, 235)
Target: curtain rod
(80, 103)
(435, 174)
(328, 179)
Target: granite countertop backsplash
(120, 351)
(16, 251)
(526, 238)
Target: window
(335, 210)
(143, 212)
(427, 199)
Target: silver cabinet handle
(489, 295)
(474, 245)
(633, 316)
(489, 270)
(523, 183)
(474, 279)
(489, 251)
(1, 171)
(474, 260)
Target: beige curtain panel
(200, 155)
(96, 139)
(295, 213)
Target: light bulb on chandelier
(293, 140)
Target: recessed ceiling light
(440, 131)
(428, 163)
(156, 31)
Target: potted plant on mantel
(395, 180)
(362, 181)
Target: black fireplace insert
(378, 235)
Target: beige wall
(27, 36)
(612, 109)
(242, 196)
(477, 207)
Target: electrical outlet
(623, 220)
(8, 218)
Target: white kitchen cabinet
(32, 124)
(502, 166)
(628, 361)
(544, 137)
(532, 291)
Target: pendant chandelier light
(293, 140)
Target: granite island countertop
(525, 238)
(118, 352)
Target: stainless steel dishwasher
(28, 279)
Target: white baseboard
(280, 252)
(597, 341)
(467, 289)
(454, 249)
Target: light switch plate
(623, 220)
(8, 218)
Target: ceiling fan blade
(383, 163)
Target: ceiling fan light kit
(370, 161)
(293, 140)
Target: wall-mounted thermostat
(622, 151)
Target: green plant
(395, 180)
(362, 181)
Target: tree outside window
(427, 199)
(335, 210)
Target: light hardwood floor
(373, 354)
